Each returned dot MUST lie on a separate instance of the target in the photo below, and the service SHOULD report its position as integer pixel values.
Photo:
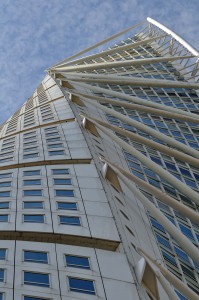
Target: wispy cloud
(36, 34)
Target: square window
(60, 181)
(69, 220)
(67, 205)
(60, 171)
(33, 205)
(64, 193)
(31, 173)
(32, 182)
(2, 274)
(4, 205)
(3, 218)
(81, 285)
(37, 279)
(35, 256)
(77, 262)
(2, 254)
(5, 194)
(33, 218)
(35, 193)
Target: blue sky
(36, 34)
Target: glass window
(68, 220)
(67, 205)
(32, 182)
(33, 204)
(163, 241)
(33, 218)
(30, 155)
(1, 296)
(5, 175)
(38, 279)
(60, 171)
(7, 183)
(4, 205)
(59, 181)
(33, 193)
(50, 129)
(58, 152)
(35, 256)
(3, 218)
(186, 231)
(30, 149)
(5, 194)
(2, 254)
(2, 273)
(52, 133)
(81, 285)
(53, 140)
(64, 193)
(77, 262)
(32, 298)
(31, 173)
(59, 145)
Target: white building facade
(99, 176)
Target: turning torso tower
(99, 176)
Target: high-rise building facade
(99, 176)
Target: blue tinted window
(33, 204)
(59, 145)
(181, 254)
(32, 298)
(81, 285)
(171, 166)
(2, 254)
(59, 181)
(186, 231)
(3, 218)
(66, 220)
(1, 296)
(32, 182)
(53, 139)
(31, 173)
(31, 149)
(169, 258)
(58, 152)
(35, 256)
(38, 279)
(5, 175)
(64, 193)
(34, 218)
(60, 171)
(157, 225)
(2, 272)
(77, 262)
(4, 205)
(7, 183)
(67, 205)
(5, 194)
(181, 297)
(30, 155)
(33, 193)
(163, 241)
(156, 160)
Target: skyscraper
(99, 176)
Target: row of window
(36, 173)
(40, 218)
(73, 261)
(40, 205)
(39, 193)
